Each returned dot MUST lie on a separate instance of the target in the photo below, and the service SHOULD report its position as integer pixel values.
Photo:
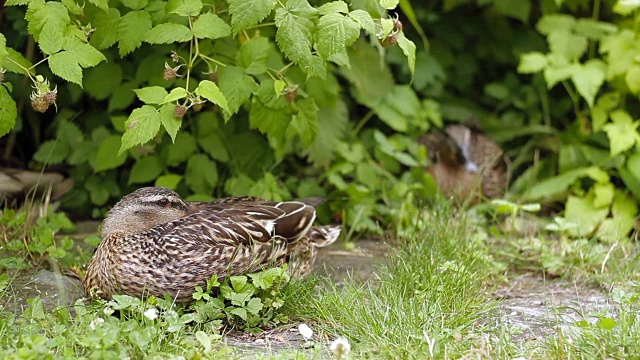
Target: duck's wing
(244, 222)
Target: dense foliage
(284, 99)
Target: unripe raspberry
(39, 104)
(169, 74)
(180, 111)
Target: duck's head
(143, 209)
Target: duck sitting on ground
(466, 163)
(155, 243)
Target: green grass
(430, 298)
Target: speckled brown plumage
(154, 243)
(466, 163)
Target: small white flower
(108, 310)
(95, 322)
(305, 331)
(340, 347)
(151, 313)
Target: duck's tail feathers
(324, 235)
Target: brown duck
(466, 163)
(155, 243)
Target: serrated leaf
(65, 65)
(183, 147)
(168, 33)
(269, 121)
(169, 181)
(14, 57)
(184, 7)
(622, 132)
(145, 170)
(8, 111)
(142, 125)
(86, 55)
(582, 212)
(105, 158)
(365, 20)
(102, 4)
(254, 305)
(588, 78)
(246, 13)
(3, 49)
(334, 7)
(621, 49)
(532, 62)
(175, 94)
(214, 145)
(306, 121)
(52, 152)
(236, 86)
(131, 31)
(409, 50)
(335, 32)
(389, 4)
(106, 25)
(17, 2)
(210, 26)
(50, 15)
(295, 31)
(51, 38)
(201, 174)
(210, 91)
(332, 127)
(555, 74)
(253, 55)
(169, 120)
(151, 94)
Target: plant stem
(362, 123)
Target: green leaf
(555, 185)
(52, 152)
(633, 78)
(106, 25)
(306, 121)
(556, 73)
(210, 91)
(555, 22)
(334, 7)
(8, 111)
(335, 32)
(210, 26)
(593, 29)
(532, 62)
(175, 94)
(246, 13)
(105, 156)
(622, 132)
(409, 50)
(184, 7)
(50, 16)
(145, 170)
(14, 56)
(621, 49)
(254, 305)
(168, 33)
(515, 9)
(371, 78)
(295, 31)
(51, 38)
(204, 340)
(332, 127)
(151, 94)
(102, 4)
(131, 31)
(606, 323)
(588, 79)
(236, 86)
(625, 7)
(86, 55)
(135, 4)
(181, 150)
(389, 4)
(365, 20)
(214, 145)
(253, 55)
(169, 120)
(3, 49)
(617, 227)
(398, 108)
(65, 65)
(142, 125)
(269, 121)
(584, 214)
(567, 44)
(169, 181)
(201, 174)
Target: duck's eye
(163, 202)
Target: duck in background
(466, 164)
